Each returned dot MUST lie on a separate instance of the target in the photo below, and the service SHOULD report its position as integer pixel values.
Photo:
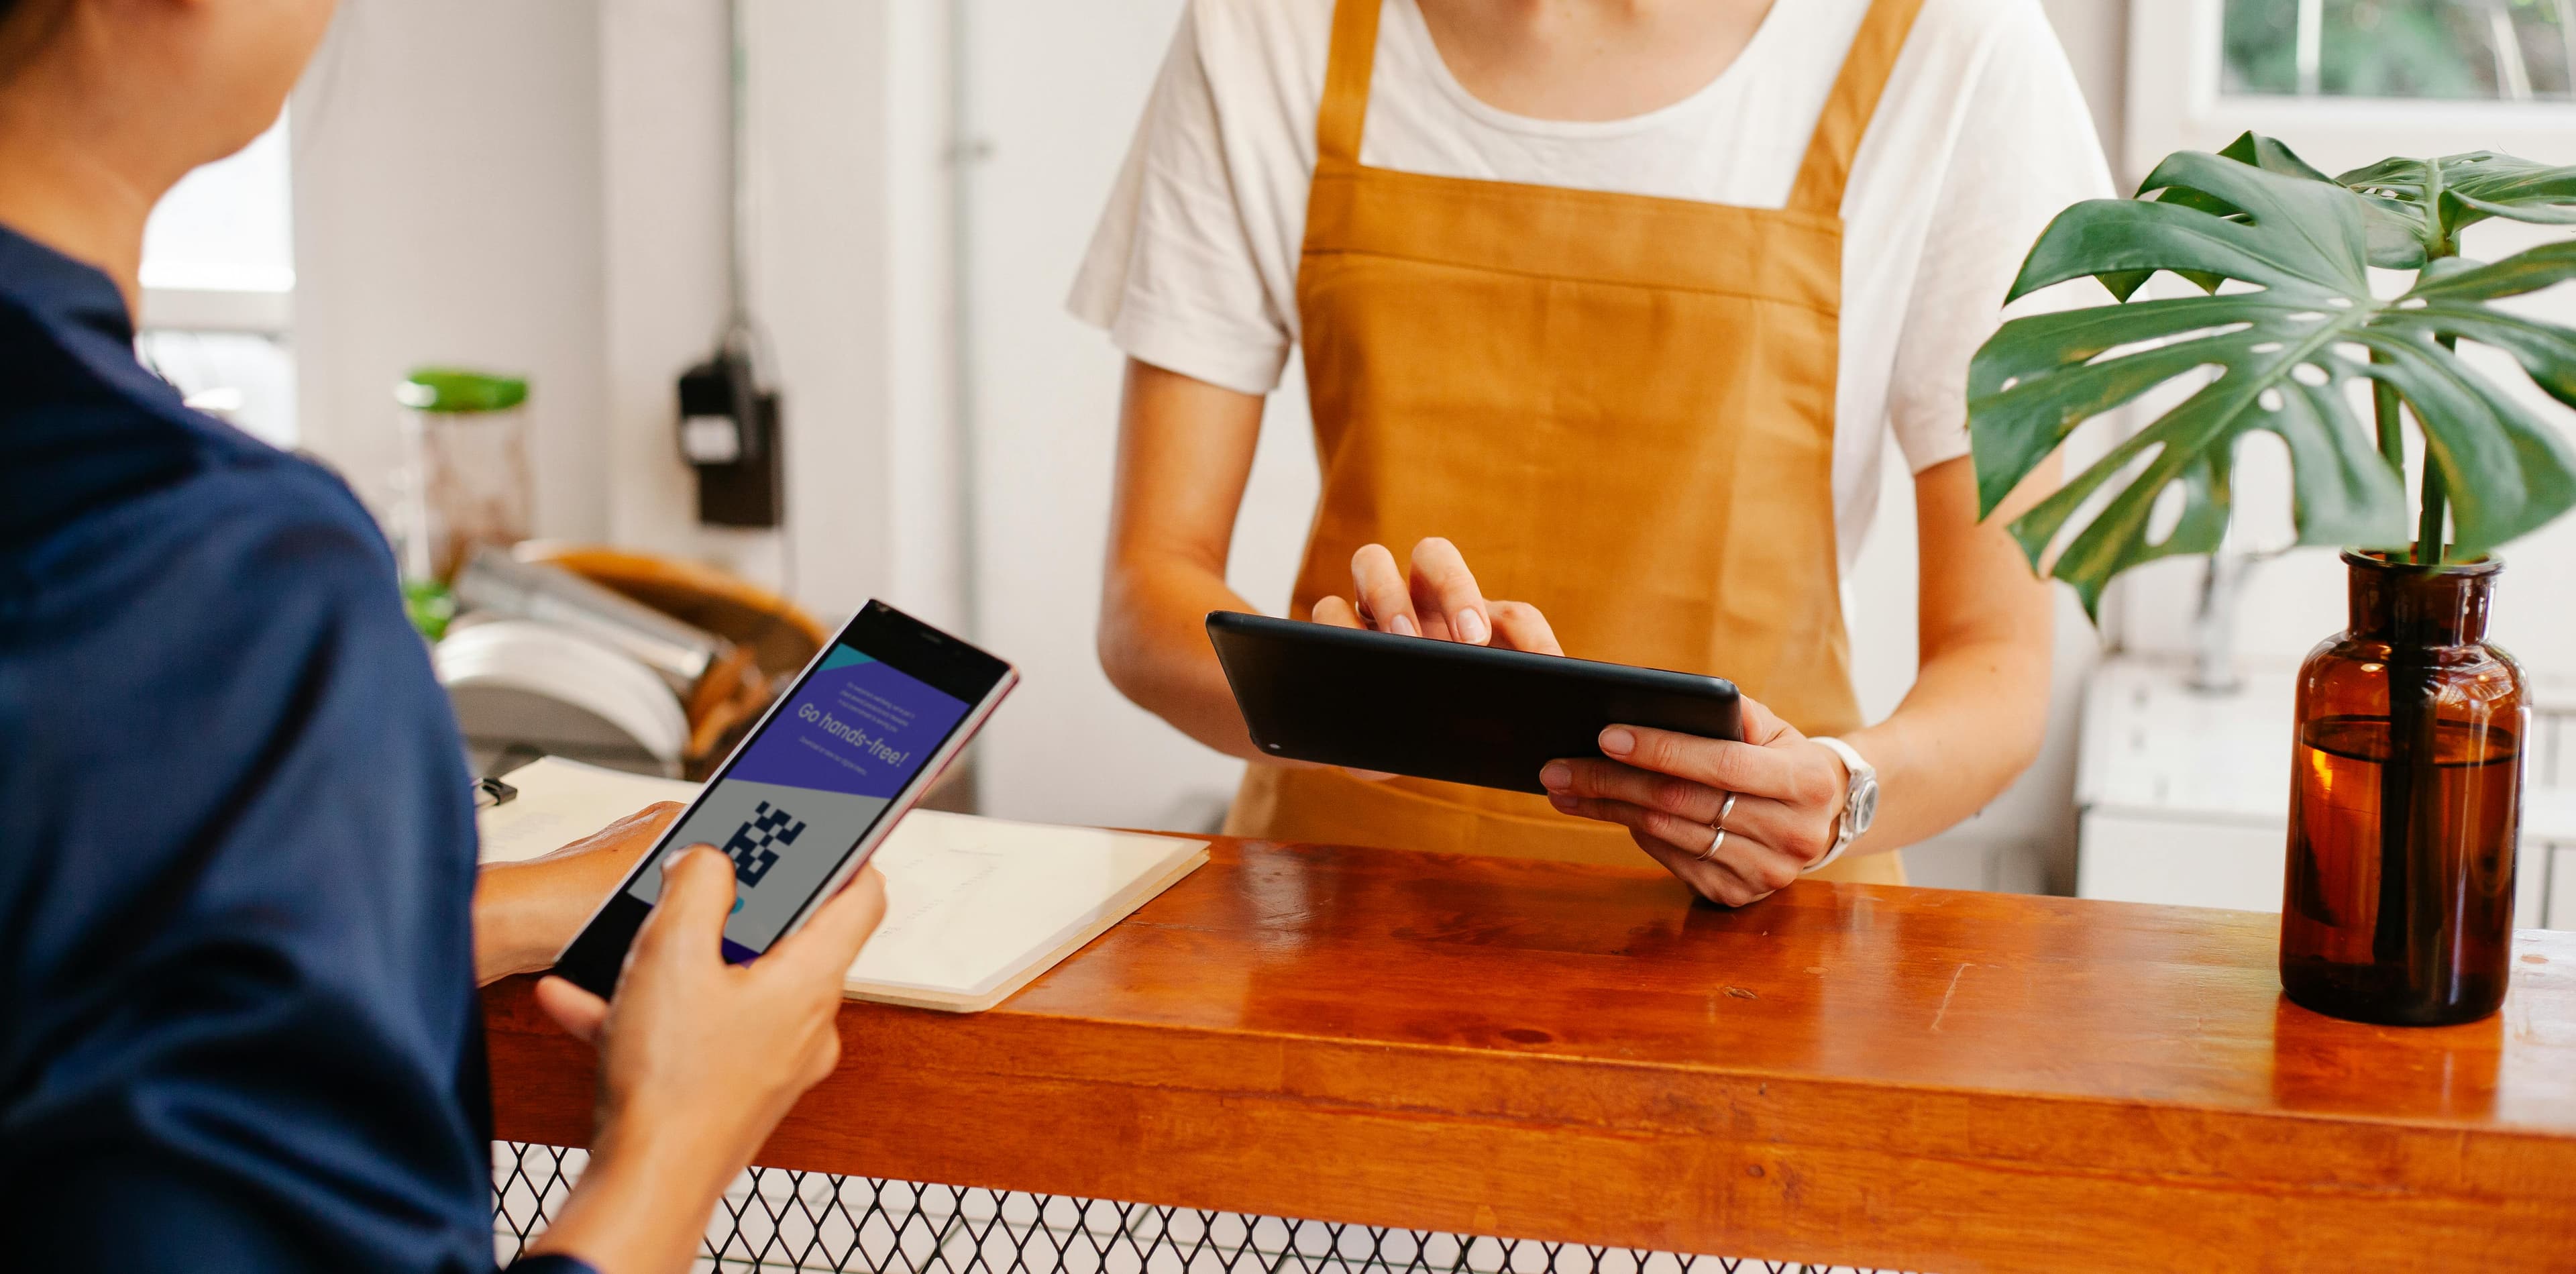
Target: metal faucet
(2213, 626)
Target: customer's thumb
(831, 940)
(697, 895)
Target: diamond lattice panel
(776, 1220)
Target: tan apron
(1621, 409)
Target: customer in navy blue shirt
(239, 931)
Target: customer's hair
(25, 28)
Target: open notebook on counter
(976, 908)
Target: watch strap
(1860, 770)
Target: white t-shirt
(1981, 137)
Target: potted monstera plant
(2405, 800)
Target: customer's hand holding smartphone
(699, 1058)
(816, 786)
(726, 967)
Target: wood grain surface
(1891, 1077)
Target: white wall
(448, 210)
(848, 276)
(667, 214)
(2096, 36)
(1054, 92)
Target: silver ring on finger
(1713, 846)
(1720, 828)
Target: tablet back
(1441, 710)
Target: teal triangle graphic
(843, 657)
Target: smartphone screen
(835, 755)
(810, 786)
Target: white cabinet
(2185, 796)
(2185, 861)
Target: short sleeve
(2026, 150)
(1171, 273)
(238, 969)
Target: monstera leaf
(2441, 197)
(2398, 236)
(2285, 346)
(2404, 194)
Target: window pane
(2465, 49)
(218, 269)
(227, 226)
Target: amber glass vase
(2406, 803)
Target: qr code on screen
(750, 849)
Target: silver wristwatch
(1860, 802)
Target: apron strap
(1346, 83)
(1848, 111)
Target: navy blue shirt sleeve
(236, 866)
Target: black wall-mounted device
(729, 434)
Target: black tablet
(1441, 710)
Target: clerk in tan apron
(1618, 411)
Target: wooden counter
(1889, 1077)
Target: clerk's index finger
(1719, 763)
(1378, 592)
(1445, 595)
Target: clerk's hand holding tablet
(1438, 599)
(1736, 821)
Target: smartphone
(816, 786)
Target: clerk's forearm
(1979, 708)
(1154, 646)
(1184, 454)
(1973, 722)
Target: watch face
(1864, 806)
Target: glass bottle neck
(2418, 605)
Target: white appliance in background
(521, 685)
(2185, 795)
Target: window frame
(2176, 61)
(255, 311)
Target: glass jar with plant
(2405, 800)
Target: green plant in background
(430, 606)
(2288, 322)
